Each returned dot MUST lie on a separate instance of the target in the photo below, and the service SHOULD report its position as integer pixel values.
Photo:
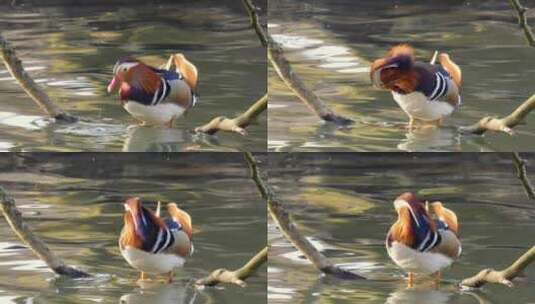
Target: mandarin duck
(154, 245)
(424, 239)
(426, 92)
(155, 96)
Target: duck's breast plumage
(151, 263)
(415, 261)
(417, 105)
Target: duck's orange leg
(170, 276)
(436, 278)
(171, 122)
(142, 277)
(410, 281)
(451, 67)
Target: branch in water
(523, 21)
(289, 77)
(38, 246)
(238, 276)
(520, 165)
(237, 124)
(504, 276)
(14, 66)
(505, 124)
(290, 230)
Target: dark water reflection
(70, 50)
(74, 203)
(343, 203)
(331, 44)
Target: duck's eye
(124, 69)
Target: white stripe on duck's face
(124, 67)
(400, 203)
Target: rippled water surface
(74, 203)
(70, 51)
(343, 204)
(331, 44)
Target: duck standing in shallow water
(154, 245)
(424, 239)
(427, 93)
(155, 96)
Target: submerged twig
(290, 230)
(523, 21)
(237, 124)
(37, 245)
(14, 66)
(520, 165)
(504, 276)
(238, 276)
(504, 124)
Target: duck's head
(139, 219)
(131, 73)
(408, 204)
(122, 72)
(395, 70)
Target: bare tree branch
(523, 21)
(290, 230)
(238, 276)
(37, 245)
(237, 124)
(14, 66)
(285, 72)
(520, 165)
(504, 276)
(255, 22)
(504, 124)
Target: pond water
(331, 44)
(70, 51)
(343, 203)
(74, 202)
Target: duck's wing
(414, 229)
(145, 231)
(446, 216)
(182, 230)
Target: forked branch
(237, 124)
(504, 276)
(238, 276)
(505, 124)
(523, 21)
(521, 171)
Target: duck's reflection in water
(158, 139)
(160, 293)
(419, 295)
(431, 139)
